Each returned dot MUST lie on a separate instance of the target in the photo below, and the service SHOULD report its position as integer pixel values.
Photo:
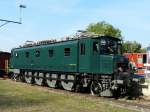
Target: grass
(20, 97)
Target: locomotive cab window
(27, 54)
(103, 47)
(51, 53)
(82, 49)
(37, 53)
(67, 51)
(119, 47)
(95, 47)
(110, 46)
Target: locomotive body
(85, 62)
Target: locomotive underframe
(98, 84)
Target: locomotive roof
(85, 35)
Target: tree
(143, 50)
(104, 28)
(132, 47)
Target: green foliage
(132, 47)
(104, 28)
(143, 50)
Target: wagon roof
(1, 52)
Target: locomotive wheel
(96, 88)
(117, 93)
(21, 77)
(51, 82)
(67, 85)
(15, 77)
(28, 77)
(38, 78)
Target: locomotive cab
(114, 69)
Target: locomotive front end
(123, 72)
(115, 71)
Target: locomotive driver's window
(95, 47)
(119, 48)
(103, 47)
(111, 46)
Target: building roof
(2, 52)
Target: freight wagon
(138, 60)
(4, 61)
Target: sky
(55, 19)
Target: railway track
(139, 104)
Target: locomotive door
(84, 51)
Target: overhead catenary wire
(10, 21)
(4, 24)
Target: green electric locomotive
(85, 61)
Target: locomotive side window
(82, 49)
(67, 51)
(37, 53)
(27, 54)
(16, 55)
(95, 47)
(51, 53)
